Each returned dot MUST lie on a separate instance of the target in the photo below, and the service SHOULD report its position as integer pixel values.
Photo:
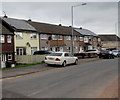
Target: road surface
(86, 80)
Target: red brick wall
(8, 47)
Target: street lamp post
(72, 41)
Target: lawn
(20, 66)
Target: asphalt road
(86, 80)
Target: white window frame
(2, 39)
(20, 53)
(86, 39)
(81, 39)
(43, 36)
(32, 35)
(9, 39)
(68, 37)
(10, 55)
(60, 37)
(54, 37)
(19, 35)
(44, 48)
(99, 39)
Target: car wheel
(64, 64)
(76, 61)
(99, 56)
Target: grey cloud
(97, 16)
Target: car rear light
(57, 59)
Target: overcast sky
(99, 17)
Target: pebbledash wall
(26, 42)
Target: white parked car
(60, 58)
(116, 53)
(93, 51)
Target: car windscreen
(56, 54)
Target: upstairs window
(74, 37)
(86, 40)
(54, 37)
(43, 36)
(94, 39)
(99, 39)
(59, 37)
(33, 35)
(19, 35)
(68, 37)
(2, 39)
(81, 38)
(9, 39)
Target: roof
(4, 30)
(109, 38)
(85, 32)
(19, 24)
(52, 29)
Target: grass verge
(20, 66)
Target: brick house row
(30, 36)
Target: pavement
(36, 68)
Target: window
(2, 39)
(56, 54)
(94, 39)
(74, 38)
(33, 49)
(21, 51)
(33, 35)
(68, 48)
(19, 35)
(54, 37)
(85, 39)
(9, 39)
(99, 39)
(9, 56)
(44, 48)
(59, 37)
(81, 38)
(43, 36)
(68, 37)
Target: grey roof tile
(85, 32)
(19, 24)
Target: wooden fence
(29, 59)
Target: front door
(3, 60)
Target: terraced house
(6, 45)
(26, 39)
(89, 38)
(55, 37)
(31, 36)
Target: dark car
(106, 54)
(42, 52)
